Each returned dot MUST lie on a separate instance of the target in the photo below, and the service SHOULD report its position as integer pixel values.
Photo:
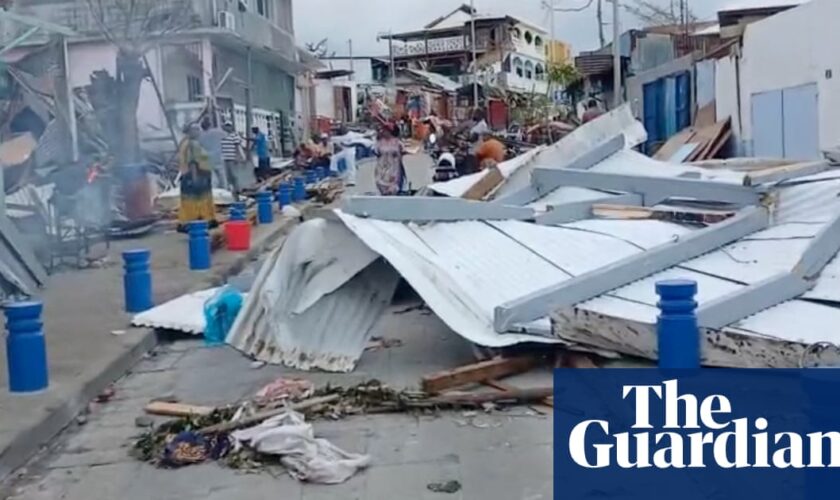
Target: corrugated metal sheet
(184, 314)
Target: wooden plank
(177, 409)
(675, 143)
(499, 386)
(680, 215)
(477, 372)
(712, 136)
(707, 115)
(486, 185)
(515, 396)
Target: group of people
(210, 157)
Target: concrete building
(511, 52)
(788, 75)
(227, 44)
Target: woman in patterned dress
(390, 171)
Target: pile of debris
(272, 429)
(696, 143)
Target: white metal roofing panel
(642, 233)
(443, 274)
(184, 314)
(750, 261)
(828, 285)
(566, 195)
(796, 321)
(816, 201)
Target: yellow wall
(557, 52)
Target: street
(500, 455)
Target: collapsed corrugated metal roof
(766, 270)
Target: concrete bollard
(137, 280)
(26, 348)
(264, 209)
(679, 337)
(199, 246)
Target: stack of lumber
(696, 143)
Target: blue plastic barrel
(137, 280)
(26, 348)
(264, 209)
(299, 192)
(679, 337)
(284, 195)
(199, 246)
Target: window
(262, 8)
(538, 42)
(539, 72)
(194, 91)
(516, 33)
(529, 38)
(529, 70)
(517, 67)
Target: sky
(361, 20)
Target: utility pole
(350, 47)
(600, 15)
(616, 55)
(473, 43)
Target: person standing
(233, 156)
(196, 201)
(211, 140)
(260, 147)
(389, 173)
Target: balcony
(435, 46)
(192, 15)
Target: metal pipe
(617, 98)
(474, 44)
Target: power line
(570, 9)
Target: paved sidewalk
(82, 310)
(503, 455)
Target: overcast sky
(360, 20)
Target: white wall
(726, 94)
(794, 48)
(530, 49)
(324, 98)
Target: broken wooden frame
(592, 284)
(579, 210)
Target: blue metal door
(767, 130)
(654, 103)
(800, 109)
(683, 104)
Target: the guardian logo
(694, 433)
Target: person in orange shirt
(490, 152)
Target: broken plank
(481, 189)
(515, 396)
(679, 215)
(478, 372)
(499, 386)
(265, 415)
(177, 409)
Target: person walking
(260, 147)
(233, 156)
(389, 173)
(211, 140)
(196, 182)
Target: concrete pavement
(89, 341)
(496, 456)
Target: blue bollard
(264, 209)
(342, 164)
(284, 196)
(137, 281)
(311, 176)
(238, 211)
(679, 337)
(26, 348)
(199, 246)
(321, 173)
(299, 192)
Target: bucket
(238, 234)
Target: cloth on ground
(304, 456)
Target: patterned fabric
(196, 183)
(188, 448)
(389, 172)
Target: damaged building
(566, 250)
